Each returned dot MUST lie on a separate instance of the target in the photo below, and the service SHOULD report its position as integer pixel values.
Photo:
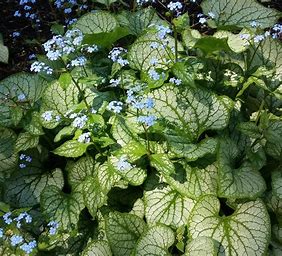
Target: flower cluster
(17, 239)
(28, 247)
(38, 66)
(78, 62)
(48, 116)
(147, 120)
(175, 7)
(25, 216)
(26, 159)
(84, 137)
(7, 218)
(174, 80)
(59, 45)
(79, 120)
(26, 10)
(54, 225)
(67, 6)
(163, 31)
(141, 103)
(115, 55)
(277, 31)
(123, 165)
(115, 106)
(141, 2)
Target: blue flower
(28, 247)
(147, 120)
(53, 227)
(7, 218)
(16, 239)
(115, 106)
(123, 164)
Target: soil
(33, 34)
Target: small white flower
(28, 159)
(245, 36)
(174, 80)
(211, 15)
(154, 61)
(21, 97)
(22, 156)
(147, 120)
(258, 38)
(153, 74)
(22, 165)
(154, 45)
(202, 20)
(123, 164)
(267, 33)
(84, 138)
(78, 62)
(7, 219)
(115, 82)
(53, 227)
(47, 115)
(79, 122)
(16, 239)
(254, 24)
(115, 106)
(92, 48)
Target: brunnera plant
(140, 136)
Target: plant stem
(81, 92)
(147, 139)
(175, 43)
(259, 111)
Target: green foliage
(4, 51)
(240, 13)
(148, 138)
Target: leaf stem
(175, 43)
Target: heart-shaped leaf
(25, 141)
(123, 230)
(192, 110)
(97, 248)
(241, 182)
(245, 232)
(203, 246)
(19, 90)
(276, 184)
(8, 159)
(72, 148)
(142, 52)
(155, 242)
(61, 207)
(96, 22)
(60, 101)
(167, 206)
(191, 182)
(240, 13)
(26, 185)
